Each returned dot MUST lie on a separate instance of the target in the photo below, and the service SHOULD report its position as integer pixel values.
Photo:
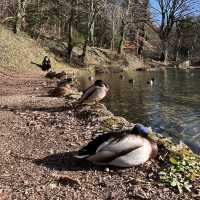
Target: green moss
(182, 166)
(111, 122)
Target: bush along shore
(40, 134)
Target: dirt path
(37, 137)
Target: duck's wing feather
(132, 158)
(112, 141)
(116, 153)
(121, 144)
(102, 140)
(92, 146)
(114, 148)
(87, 93)
(105, 157)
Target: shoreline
(39, 135)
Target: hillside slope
(17, 52)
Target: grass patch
(17, 52)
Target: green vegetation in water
(183, 167)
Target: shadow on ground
(31, 108)
(66, 162)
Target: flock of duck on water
(124, 148)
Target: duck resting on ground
(122, 149)
(95, 92)
(61, 75)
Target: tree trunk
(164, 52)
(92, 25)
(177, 49)
(112, 44)
(123, 28)
(194, 43)
(70, 45)
(120, 46)
(18, 23)
(92, 35)
(21, 11)
(92, 17)
(178, 41)
(84, 50)
(137, 39)
(70, 33)
(69, 52)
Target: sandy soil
(38, 135)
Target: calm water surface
(171, 106)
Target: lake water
(171, 106)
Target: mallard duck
(61, 91)
(61, 75)
(64, 82)
(151, 82)
(51, 75)
(95, 92)
(122, 149)
(46, 64)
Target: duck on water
(151, 82)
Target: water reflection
(170, 106)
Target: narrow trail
(38, 135)
(32, 127)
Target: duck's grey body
(130, 151)
(123, 149)
(94, 93)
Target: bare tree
(167, 13)
(20, 15)
(91, 12)
(187, 36)
(113, 13)
(7, 10)
(70, 29)
(131, 13)
(93, 7)
(102, 23)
